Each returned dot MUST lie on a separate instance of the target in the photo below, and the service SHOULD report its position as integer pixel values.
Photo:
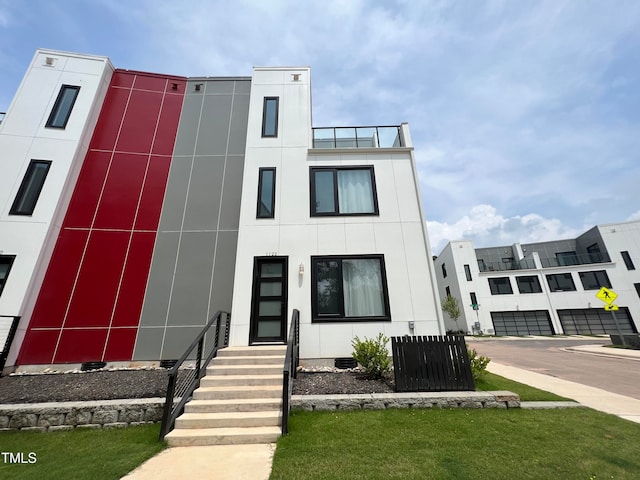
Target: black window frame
(57, 106)
(555, 287)
(495, 284)
(596, 278)
(336, 200)
(528, 281)
(627, 260)
(467, 272)
(474, 298)
(17, 207)
(274, 133)
(259, 213)
(447, 291)
(6, 260)
(341, 317)
(444, 270)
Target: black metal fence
(183, 381)
(431, 364)
(290, 369)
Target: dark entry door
(269, 300)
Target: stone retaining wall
(380, 401)
(69, 415)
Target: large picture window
(266, 192)
(561, 282)
(529, 284)
(349, 288)
(500, 286)
(30, 188)
(62, 108)
(595, 280)
(343, 191)
(270, 117)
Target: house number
(272, 254)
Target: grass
(489, 381)
(79, 454)
(457, 444)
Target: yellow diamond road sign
(606, 295)
(611, 307)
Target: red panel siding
(97, 277)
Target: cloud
(485, 227)
(634, 216)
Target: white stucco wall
(24, 137)
(398, 232)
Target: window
(627, 260)
(5, 266)
(444, 271)
(343, 191)
(63, 106)
(594, 253)
(474, 299)
(30, 188)
(500, 286)
(266, 192)
(349, 288)
(481, 265)
(561, 282)
(637, 285)
(595, 280)
(270, 117)
(509, 263)
(447, 291)
(567, 258)
(529, 284)
(467, 272)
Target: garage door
(595, 321)
(530, 322)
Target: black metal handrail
(291, 361)
(8, 339)
(180, 389)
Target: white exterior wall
(23, 137)
(398, 232)
(616, 237)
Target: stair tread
(234, 401)
(243, 377)
(220, 431)
(230, 415)
(239, 388)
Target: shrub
(478, 363)
(373, 355)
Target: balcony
(529, 264)
(358, 137)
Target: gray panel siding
(200, 217)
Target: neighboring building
(135, 205)
(545, 288)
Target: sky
(524, 115)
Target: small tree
(450, 307)
(373, 355)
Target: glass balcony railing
(357, 137)
(528, 263)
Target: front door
(269, 300)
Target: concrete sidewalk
(219, 462)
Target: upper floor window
(444, 271)
(270, 117)
(62, 108)
(595, 255)
(474, 299)
(561, 282)
(500, 286)
(349, 288)
(30, 188)
(343, 191)
(529, 284)
(595, 280)
(467, 272)
(5, 266)
(266, 192)
(447, 291)
(627, 260)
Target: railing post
(168, 405)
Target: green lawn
(458, 444)
(79, 454)
(489, 382)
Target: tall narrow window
(467, 272)
(63, 106)
(5, 266)
(627, 260)
(343, 191)
(266, 193)
(30, 188)
(447, 291)
(474, 299)
(270, 117)
(444, 270)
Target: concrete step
(269, 418)
(249, 360)
(222, 436)
(237, 392)
(216, 369)
(246, 380)
(237, 405)
(253, 351)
